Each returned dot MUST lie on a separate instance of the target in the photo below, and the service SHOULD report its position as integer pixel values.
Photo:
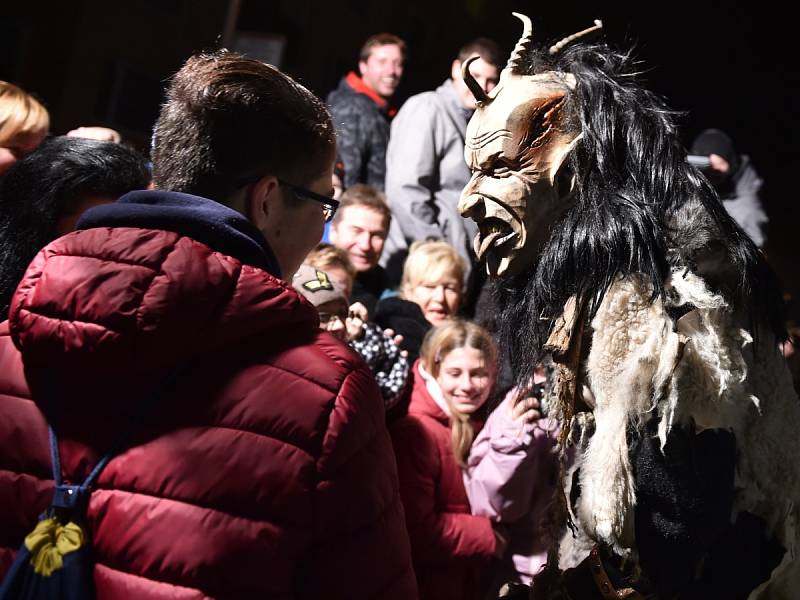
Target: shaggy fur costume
(681, 338)
(699, 372)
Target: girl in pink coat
(510, 477)
(451, 548)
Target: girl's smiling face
(465, 379)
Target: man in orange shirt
(361, 109)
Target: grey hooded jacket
(425, 173)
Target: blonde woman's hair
(438, 343)
(20, 113)
(327, 255)
(432, 260)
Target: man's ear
(362, 66)
(455, 70)
(333, 234)
(263, 201)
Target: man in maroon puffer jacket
(266, 470)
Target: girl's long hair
(439, 342)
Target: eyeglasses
(328, 320)
(329, 205)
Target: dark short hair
(381, 39)
(361, 194)
(43, 186)
(229, 119)
(487, 49)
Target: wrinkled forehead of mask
(523, 113)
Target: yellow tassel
(49, 542)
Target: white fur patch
(703, 370)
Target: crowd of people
(296, 279)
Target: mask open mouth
(494, 235)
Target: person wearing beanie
(328, 298)
(735, 180)
(379, 348)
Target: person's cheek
(7, 159)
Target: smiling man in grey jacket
(425, 168)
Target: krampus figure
(613, 254)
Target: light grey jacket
(744, 204)
(425, 173)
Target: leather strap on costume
(564, 345)
(589, 581)
(604, 583)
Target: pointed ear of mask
(558, 168)
(561, 156)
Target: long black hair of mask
(44, 185)
(639, 208)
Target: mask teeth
(556, 48)
(522, 45)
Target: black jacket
(362, 131)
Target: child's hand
(397, 339)
(356, 316)
(359, 311)
(526, 409)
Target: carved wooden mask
(516, 144)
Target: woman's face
(465, 379)
(438, 297)
(18, 146)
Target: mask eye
(498, 169)
(501, 171)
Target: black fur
(639, 207)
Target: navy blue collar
(217, 226)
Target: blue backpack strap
(73, 497)
(55, 457)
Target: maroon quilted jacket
(266, 471)
(450, 546)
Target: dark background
(96, 62)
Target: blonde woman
(431, 290)
(451, 383)
(24, 124)
(433, 278)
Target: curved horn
(474, 86)
(523, 44)
(556, 48)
